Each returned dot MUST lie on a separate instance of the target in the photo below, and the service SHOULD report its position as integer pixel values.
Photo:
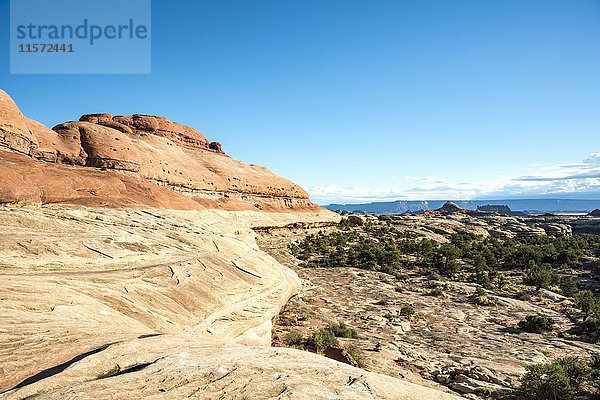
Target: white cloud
(432, 179)
(588, 169)
(355, 194)
(593, 158)
(574, 178)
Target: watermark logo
(80, 37)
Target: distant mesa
(517, 206)
(493, 208)
(595, 213)
(488, 209)
(414, 212)
(450, 208)
(499, 209)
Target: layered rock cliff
(133, 160)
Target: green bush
(563, 379)
(594, 365)
(294, 338)
(540, 276)
(436, 292)
(344, 331)
(501, 280)
(383, 247)
(586, 301)
(407, 311)
(536, 324)
(568, 287)
(589, 330)
(434, 276)
(480, 297)
(546, 382)
(357, 355)
(323, 338)
(294, 249)
(579, 371)
(446, 258)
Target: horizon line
(497, 199)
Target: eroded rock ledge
(137, 152)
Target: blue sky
(367, 100)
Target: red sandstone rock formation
(101, 159)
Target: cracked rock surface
(106, 303)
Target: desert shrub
(344, 331)
(563, 379)
(594, 365)
(436, 292)
(344, 223)
(445, 259)
(434, 276)
(536, 324)
(357, 355)
(483, 278)
(323, 338)
(578, 371)
(501, 281)
(382, 302)
(568, 287)
(586, 302)
(546, 382)
(480, 297)
(387, 269)
(383, 247)
(540, 276)
(589, 330)
(399, 276)
(286, 321)
(294, 249)
(379, 244)
(294, 338)
(407, 311)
